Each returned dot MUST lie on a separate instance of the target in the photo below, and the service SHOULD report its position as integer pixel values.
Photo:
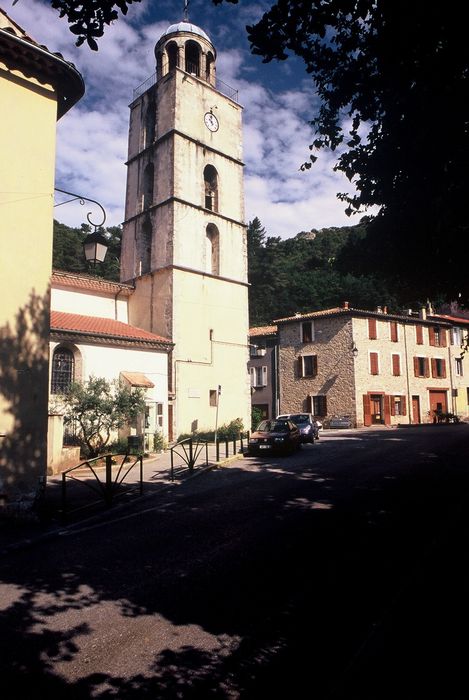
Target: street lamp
(95, 247)
(354, 349)
(95, 244)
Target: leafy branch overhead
(88, 19)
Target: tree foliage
(68, 251)
(306, 273)
(100, 407)
(88, 19)
(393, 81)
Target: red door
(415, 410)
(438, 403)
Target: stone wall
(335, 373)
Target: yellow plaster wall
(27, 182)
(202, 363)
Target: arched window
(209, 68)
(148, 180)
(172, 53)
(210, 188)
(145, 248)
(63, 370)
(192, 58)
(212, 238)
(150, 123)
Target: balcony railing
(221, 86)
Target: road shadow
(269, 593)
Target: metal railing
(108, 489)
(220, 85)
(227, 443)
(189, 450)
(195, 451)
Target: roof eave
(20, 54)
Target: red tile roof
(262, 330)
(446, 317)
(341, 311)
(89, 283)
(101, 327)
(323, 312)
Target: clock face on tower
(211, 122)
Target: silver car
(307, 424)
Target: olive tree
(100, 407)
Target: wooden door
(415, 410)
(438, 403)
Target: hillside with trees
(312, 270)
(308, 272)
(68, 251)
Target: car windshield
(299, 417)
(273, 426)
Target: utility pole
(216, 415)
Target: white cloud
(92, 137)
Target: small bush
(256, 417)
(119, 447)
(228, 431)
(159, 442)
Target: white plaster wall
(109, 362)
(89, 304)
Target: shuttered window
(438, 367)
(319, 405)
(366, 410)
(398, 406)
(394, 331)
(421, 367)
(372, 330)
(307, 332)
(307, 365)
(374, 363)
(437, 336)
(419, 334)
(396, 365)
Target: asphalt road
(337, 572)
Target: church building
(184, 240)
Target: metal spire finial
(186, 10)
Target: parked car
(307, 425)
(340, 422)
(274, 436)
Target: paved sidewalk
(84, 501)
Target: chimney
(345, 305)
(385, 309)
(379, 310)
(409, 312)
(423, 313)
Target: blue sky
(278, 100)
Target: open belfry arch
(184, 239)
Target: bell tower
(184, 238)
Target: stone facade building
(377, 368)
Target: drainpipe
(409, 398)
(453, 398)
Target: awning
(137, 379)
